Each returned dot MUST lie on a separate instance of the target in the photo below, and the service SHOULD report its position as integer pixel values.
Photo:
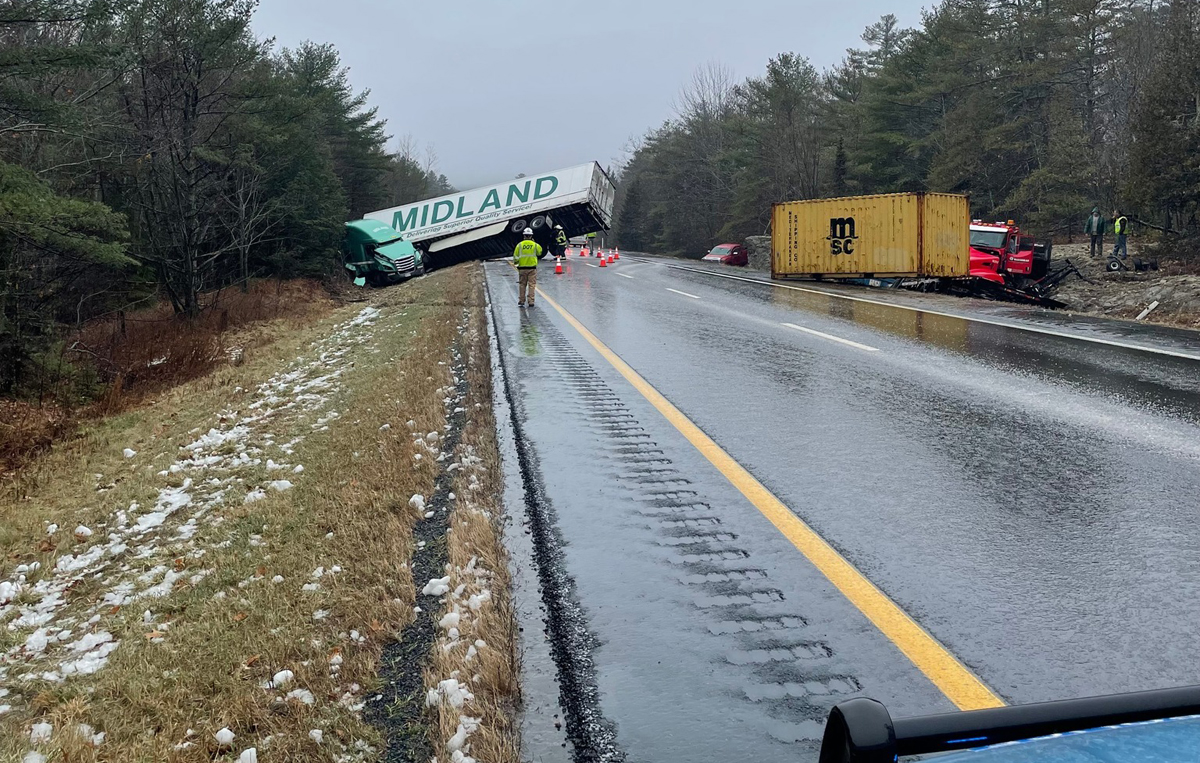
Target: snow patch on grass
(136, 552)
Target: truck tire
(1113, 265)
(518, 226)
(538, 223)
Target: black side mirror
(859, 730)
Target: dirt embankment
(1126, 293)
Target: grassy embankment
(223, 568)
(113, 363)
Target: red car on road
(728, 254)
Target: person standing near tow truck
(1121, 228)
(525, 257)
(1094, 227)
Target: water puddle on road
(939, 330)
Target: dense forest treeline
(1038, 109)
(157, 148)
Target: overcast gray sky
(500, 87)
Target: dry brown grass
(225, 634)
(478, 563)
(27, 429)
(151, 350)
(146, 352)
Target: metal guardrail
(862, 731)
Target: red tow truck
(1007, 265)
(1000, 254)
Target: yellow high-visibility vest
(527, 253)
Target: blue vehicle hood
(1172, 740)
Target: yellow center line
(951, 677)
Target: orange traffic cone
(583, 252)
(558, 266)
(616, 254)
(603, 262)
(610, 259)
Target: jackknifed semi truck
(489, 221)
(375, 253)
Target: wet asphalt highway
(1031, 500)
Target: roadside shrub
(136, 354)
(27, 429)
(112, 362)
(1178, 255)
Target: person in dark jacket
(560, 241)
(1094, 227)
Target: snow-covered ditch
(57, 636)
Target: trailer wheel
(538, 223)
(1113, 265)
(518, 226)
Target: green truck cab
(375, 253)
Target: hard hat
(528, 231)
(558, 227)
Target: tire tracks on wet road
(657, 560)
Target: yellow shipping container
(887, 235)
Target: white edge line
(624, 275)
(590, 265)
(832, 338)
(684, 293)
(1001, 324)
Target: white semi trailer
(488, 222)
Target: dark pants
(1097, 244)
(1122, 248)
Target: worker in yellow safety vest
(525, 257)
(1121, 228)
(560, 241)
